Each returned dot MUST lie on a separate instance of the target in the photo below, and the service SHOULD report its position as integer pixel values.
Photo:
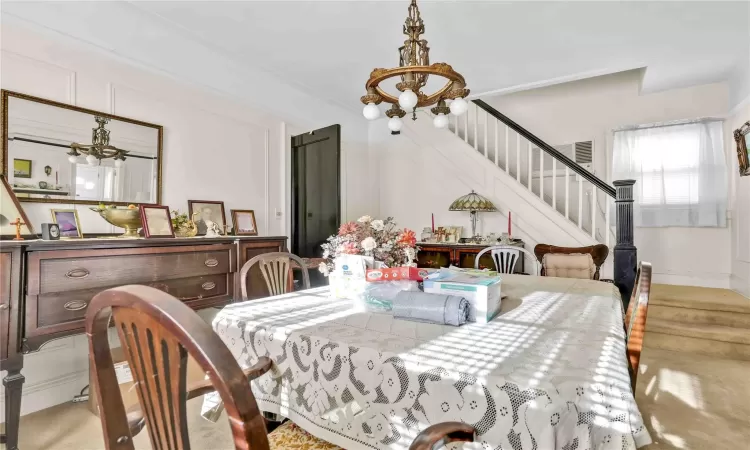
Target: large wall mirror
(57, 153)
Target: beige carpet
(687, 401)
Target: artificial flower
(407, 238)
(323, 268)
(347, 228)
(369, 244)
(364, 219)
(348, 248)
(377, 225)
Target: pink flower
(348, 248)
(348, 228)
(407, 238)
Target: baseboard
(718, 280)
(740, 286)
(49, 393)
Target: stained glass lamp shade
(473, 203)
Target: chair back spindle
(506, 257)
(276, 269)
(157, 333)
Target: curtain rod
(668, 124)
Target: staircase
(699, 320)
(568, 189)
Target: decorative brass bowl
(130, 219)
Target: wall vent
(583, 152)
(580, 152)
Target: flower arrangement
(371, 237)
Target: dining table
(548, 372)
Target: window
(680, 173)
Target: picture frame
(742, 138)
(67, 220)
(157, 221)
(10, 210)
(21, 168)
(243, 221)
(208, 211)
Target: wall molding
(70, 74)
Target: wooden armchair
(276, 268)
(158, 332)
(635, 318)
(598, 252)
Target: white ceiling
(328, 49)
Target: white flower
(326, 254)
(369, 244)
(364, 219)
(377, 225)
(323, 267)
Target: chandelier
(414, 68)
(99, 148)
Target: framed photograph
(742, 137)
(67, 220)
(209, 212)
(22, 168)
(10, 210)
(243, 221)
(157, 222)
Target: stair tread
(699, 298)
(702, 331)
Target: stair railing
(625, 252)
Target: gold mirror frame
(5, 94)
(742, 151)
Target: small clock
(50, 231)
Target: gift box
(396, 274)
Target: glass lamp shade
(371, 111)
(459, 106)
(91, 159)
(119, 163)
(408, 100)
(472, 202)
(440, 121)
(395, 124)
(73, 159)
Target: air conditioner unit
(581, 152)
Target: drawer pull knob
(75, 305)
(4, 306)
(211, 262)
(208, 285)
(78, 273)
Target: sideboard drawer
(64, 271)
(61, 311)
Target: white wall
(592, 109)
(740, 187)
(214, 148)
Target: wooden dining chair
(506, 257)
(598, 252)
(158, 332)
(635, 318)
(276, 268)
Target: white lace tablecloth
(549, 373)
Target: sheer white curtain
(680, 173)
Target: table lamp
(473, 203)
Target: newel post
(625, 254)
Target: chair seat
(289, 436)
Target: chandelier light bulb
(91, 159)
(118, 163)
(371, 111)
(440, 121)
(459, 106)
(408, 100)
(73, 159)
(395, 124)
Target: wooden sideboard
(45, 287)
(444, 254)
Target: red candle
(433, 222)
(509, 233)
